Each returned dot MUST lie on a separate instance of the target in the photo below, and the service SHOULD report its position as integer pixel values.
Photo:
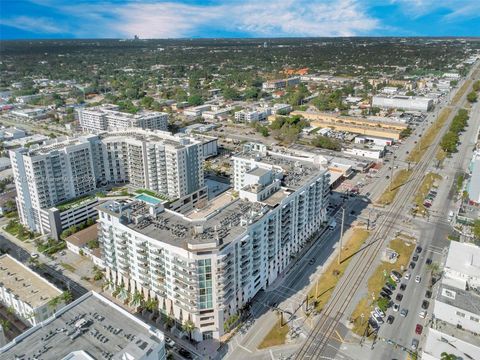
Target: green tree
(476, 85)
(188, 326)
(325, 142)
(136, 300)
(383, 303)
(447, 356)
(476, 228)
(472, 97)
(195, 100)
(5, 324)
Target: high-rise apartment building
(103, 118)
(206, 265)
(52, 174)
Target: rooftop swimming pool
(148, 199)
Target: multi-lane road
(317, 344)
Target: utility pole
(341, 235)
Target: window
(460, 314)
(473, 318)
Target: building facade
(61, 171)
(26, 293)
(414, 103)
(108, 118)
(207, 265)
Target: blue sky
(33, 19)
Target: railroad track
(318, 338)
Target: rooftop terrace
(218, 224)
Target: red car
(419, 329)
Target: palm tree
(108, 284)
(169, 321)
(434, 268)
(53, 303)
(136, 300)
(446, 356)
(5, 324)
(67, 297)
(151, 305)
(188, 326)
(122, 293)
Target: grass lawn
(323, 288)
(441, 155)
(428, 137)
(461, 91)
(68, 267)
(376, 282)
(399, 179)
(422, 192)
(276, 336)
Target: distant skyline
(63, 19)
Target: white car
(407, 276)
(34, 255)
(379, 312)
(377, 318)
(396, 307)
(418, 278)
(422, 314)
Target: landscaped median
(429, 136)
(399, 179)
(276, 336)
(427, 184)
(323, 288)
(378, 279)
(461, 91)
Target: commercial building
(25, 292)
(438, 342)
(366, 151)
(11, 134)
(252, 115)
(281, 109)
(89, 328)
(207, 264)
(280, 84)
(357, 125)
(473, 186)
(463, 265)
(415, 103)
(56, 173)
(108, 118)
(78, 243)
(30, 114)
(196, 111)
(455, 317)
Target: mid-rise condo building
(50, 175)
(206, 265)
(108, 118)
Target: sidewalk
(30, 248)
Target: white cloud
(455, 9)
(253, 18)
(32, 24)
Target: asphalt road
(51, 274)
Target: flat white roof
(30, 287)
(438, 342)
(464, 258)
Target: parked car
(399, 297)
(414, 344)
(396, 307)
(412, 265)
(418, 329)
(379, 311)
(373, 324)
(404, 312)
(406, 276)
(377, 318)
(390, 286)
(390, 319)
(415, 257)
(425, 304)
(387, 290)
(169, 342)
(428, 261)
(312, 261)
(422, 314)
(418, 249)
(385, 295)
(185, 353)
(403, 286)
(418, 278)
(428, 294)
